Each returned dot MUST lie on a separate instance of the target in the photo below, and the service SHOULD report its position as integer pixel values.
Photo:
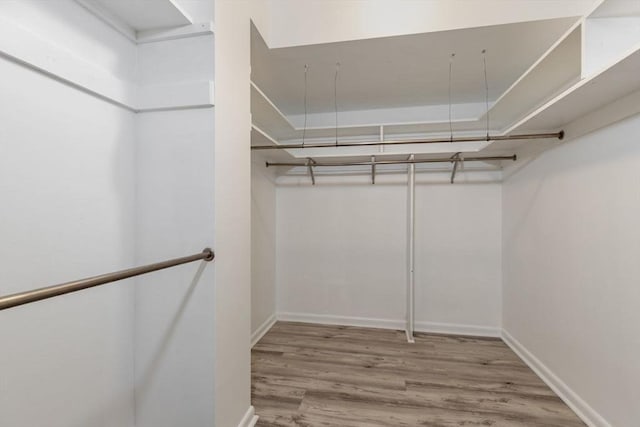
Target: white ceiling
(402, 71)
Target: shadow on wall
(146, 378)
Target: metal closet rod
(396, 162)
(65, 288)
(558, 135)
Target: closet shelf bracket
(373, 169)
(456, 158)
(310, 163)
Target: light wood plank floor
(314, 375)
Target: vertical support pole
(411, 208)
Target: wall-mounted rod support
(310, 163)
(455, 159)
(558, 135)
(373, 169)
(394, 162)
(65, 288)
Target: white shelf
(268, 118)
(595, 63)
(270, 127)
(590, 94)
(140, 16)
(610, 31)
(616, 9)
(143, 21)
(556, 70)
(609, 70)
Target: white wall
(341, 254)
(263, 246)
(459, 257)
(175, 308)
(95, 188)
(232, 214)
(67, 204)
(571, 251)
(175, 316)
(341, 251)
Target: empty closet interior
(474, 181)
(341, 213)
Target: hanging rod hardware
(393, 162)
(455, 159)
(373, 169)
(15, 300)
(310, 163)
(558, 135)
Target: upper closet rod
(395, 162)
(558, 135)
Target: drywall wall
(67, 209)
(175, 316)
(341, 251)
(571, 249)
(232, 215)
(263, 248)
(459, 257)
(97, 188)
(341, 254)
(174, 308)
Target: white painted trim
(263, 329)
(400, 325)
(266, 135)
(175, 96)
(327, 319)
(458, 329)
(250, 418)
(182, 32)
(569, 396)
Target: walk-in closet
(441, 219)
(319, 213)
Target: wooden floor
(315, 375)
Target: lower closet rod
(396, 162)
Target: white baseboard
(441, 328)
(262, 329)
(327, 319)
(457, 329)
(570, 397)
(250, 418)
